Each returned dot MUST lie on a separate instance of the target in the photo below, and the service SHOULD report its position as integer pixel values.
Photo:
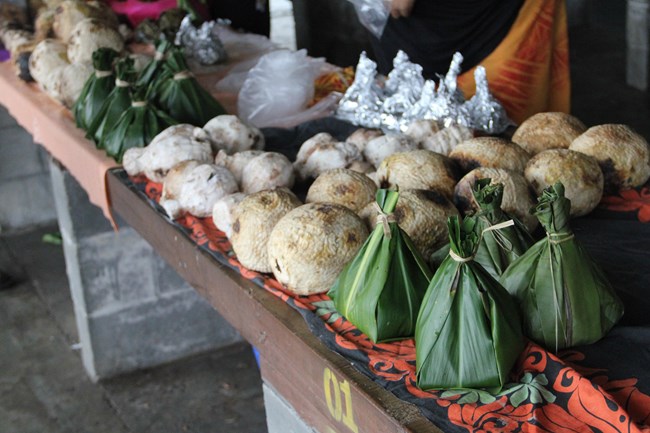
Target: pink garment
(136, 11)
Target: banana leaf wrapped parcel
(115, 103)
(97, 88)
(381, 290)
(137, 126)
(179, 94)
(152, 71)
(564, 297)
(468, 332)
(498, 248)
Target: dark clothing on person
(436, 29)
(244, 14)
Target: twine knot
(103, 74)
(469, 258)
(384, 219)
(183, 75)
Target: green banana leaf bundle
(97, 88)
(468, 332)
(564, 297)
(115, 103)
(178, 93)
(152, 71)
(498, 248)
(380, 291)
(136, 127)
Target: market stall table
(596, 387)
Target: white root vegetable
(230, 133)
(254, 219)
(223, 212)
(342, 186)
(267, 171)
(380, 148)
(69, 12)
(89, 35)
(445, 140)
(362, 136)
(623, 155)
(310, 245)
(172, 146)
(579, 173)
(321, 153)
(195, 188)
(69, 81)
(552, 130)
(418, 169)
(489, 152)
(237, 161)
(48, 56)
(421, 130)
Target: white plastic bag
(372, 14)
(279, 86)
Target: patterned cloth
(529, 71)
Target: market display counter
(603, 387)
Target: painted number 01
(335, 393)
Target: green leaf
(468, 332)
(96, 89)
(519, 397)
(564, 297)
(181, 95)
(469, 398)
(381, 289)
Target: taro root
(237, 161)
(422, 214)
(48, 56)
(362, 136)
(489, 152)
(69, 81)
(579, 173)
(321, 153)
(194, 188)
(70, 12)
(342, 186)
(543, 131)
(253, 220)
(379, 148)
(230, 133)
(267, 171)
(517, 198)
(172, 146)
(310, 245)
(422, 129)
(89, 35)
(223, 212)
(445, 140)
(418, 169)
(623, 155)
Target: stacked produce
(381, 289)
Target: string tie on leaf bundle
(558, 238)
(122, 83)
(384, 219)
(103, 74)
(139, 104)
(183, 75)
(499, 226)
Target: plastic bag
(279, 86)
(373, 14)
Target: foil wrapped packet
(202, 43)
(392, 104)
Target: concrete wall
(25, 192)
(132, 310)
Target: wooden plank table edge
(278, 331)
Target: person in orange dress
(523, 45)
